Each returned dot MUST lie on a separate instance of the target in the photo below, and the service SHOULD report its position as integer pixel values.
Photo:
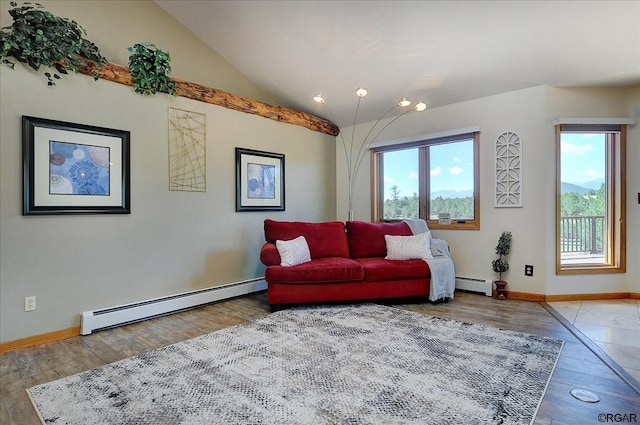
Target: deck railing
(582, 234)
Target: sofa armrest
(269, 255)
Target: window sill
(590, 269)
(466, 225)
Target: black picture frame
(260, 184)
(73, 168)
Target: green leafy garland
(40, 39)
(150, 68)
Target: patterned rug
(362, 364)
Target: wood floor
(578, 367)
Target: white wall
(172, 242)
(530, 114)
(633, 188)
(116, 25)
(589, 103)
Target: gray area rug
(358, 364)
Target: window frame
(377, 180)
(615, 181)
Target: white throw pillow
(293, 252)
(408, 247)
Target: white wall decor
(508, 171)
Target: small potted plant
(500, 264)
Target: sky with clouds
(582, 157)
(452, 165)
(452, 169)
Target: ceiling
(441, 52)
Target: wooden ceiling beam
(120, 74)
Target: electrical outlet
(29, 303)
(528, 270)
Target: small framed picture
(444, 218)
(74, 168)
(259, 180)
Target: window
(590, 224)
(427, 179)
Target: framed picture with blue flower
(74, 168)
(259, 180)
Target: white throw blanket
(443, 274)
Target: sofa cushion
(378, 269)
(326, 239)
(334, 269)
(293, 252)
(367, 239)
(417, 247)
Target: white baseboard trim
(475, 285)
(135, 312)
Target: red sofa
(347, 263)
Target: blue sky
(582, 157)
(452, 169)
(401, 169)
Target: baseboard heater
(135, 312)
(475, 285)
